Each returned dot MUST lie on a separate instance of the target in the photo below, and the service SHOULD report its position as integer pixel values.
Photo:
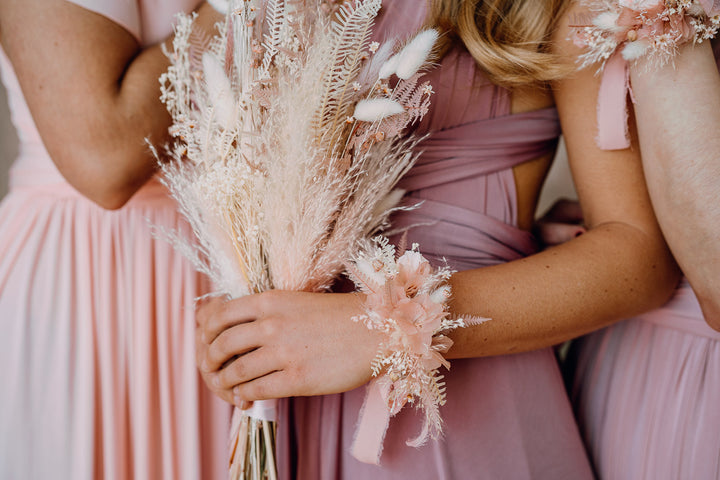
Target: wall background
(8, 142)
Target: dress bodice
(463, 178)
(147, 20)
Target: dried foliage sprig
(273, 163)
(407, 301)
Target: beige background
(559, 183)
(8, 142)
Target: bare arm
(92, 91)
(619, 268)
(678, 117)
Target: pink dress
(646, 393)
(97, 369)
(506, 417)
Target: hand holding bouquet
(288, 144)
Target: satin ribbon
(612, 112)
(372, 424)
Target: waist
(682, 312)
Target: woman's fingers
(561, 223)
(219, 314)
(552, 233)
(273, 385)
(230, 343)
(246, 368)
(565, 211)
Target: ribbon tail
(372, 425)
(612, 113)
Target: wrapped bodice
(463, 179)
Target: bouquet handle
(252, 442)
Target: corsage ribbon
(406, 300)
(630, 30)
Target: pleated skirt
(646, 393)
(97, 369)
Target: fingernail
(203, 366)
(216, 381)
(240, 403)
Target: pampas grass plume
(389, 67)
(376, 109)
(219, 91)
(415, 53)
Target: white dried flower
(389, 67)
(376, 109)
(415, 53)
(374, 47)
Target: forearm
(612, 272)
(678, 115)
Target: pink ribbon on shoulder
(612, 110)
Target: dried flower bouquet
(287, 146)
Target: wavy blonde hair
(509, 39)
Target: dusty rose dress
(646, 393)
(506, 417)
(97, 370)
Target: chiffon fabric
(97, 369)
(507, 416)
(646, 393)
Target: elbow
(109, 199)
(107, 180)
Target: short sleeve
(125, 13)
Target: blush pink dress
(506, 417)
(97, 369)
(646, 393)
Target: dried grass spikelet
(389, 67)
(415, 54)
(376, 109)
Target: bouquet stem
(252, 448)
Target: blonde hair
(509, 39)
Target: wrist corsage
(407, 300)
(620, 31)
